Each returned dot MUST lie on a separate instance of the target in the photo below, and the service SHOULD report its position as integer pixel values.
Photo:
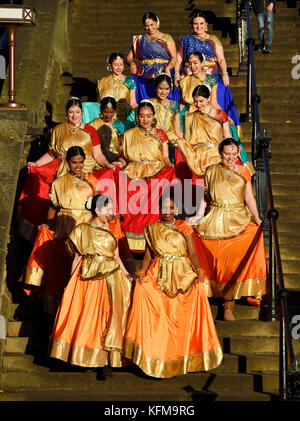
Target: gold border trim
(164, 369)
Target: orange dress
(49, 265)
(91, 319)
(170, 329)
(230, 247)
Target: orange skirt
(166, 336)
(236, 266)
(47, 271)
(81, 323)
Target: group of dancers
(156, 166)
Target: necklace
(116, 93)
(170, 225)
(76, 182)
(73, 129)
(146, 132)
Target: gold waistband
(171, 257)
(228, 206)
(207, 145)
(73, 211)
(154, 61)
(143, 162)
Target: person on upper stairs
(264, 11)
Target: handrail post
(272, 301)
(283, 362)
(262, 145)
(249, 42)
(242, 34)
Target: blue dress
(188, 45)
(154, 56)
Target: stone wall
(42, 56)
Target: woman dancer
(170, 328)
(34, 201)
(145, 149)
(210, 46)
(229, 239)
(91, 319)
(156, 52)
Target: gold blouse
(62, 138)
(69, 194)
(165, 117)
(176, 273)
(110, 85)
(143, 152)
(114, 142)
(202, 135)
(228, 215)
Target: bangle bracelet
(177, 74)
(256, 218)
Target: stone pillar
(13, 128)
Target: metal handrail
(261, 151)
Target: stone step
(247, 328)
(90, 396)
(288, 226)
(292, 281)
(285, 190)
(288, 179)
(288, 238)
(253, 344)
(134, 385)
(288, 252)
(290, 266)
(284, 202)
(24, 312)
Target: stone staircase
(250, 344)
(249, 372)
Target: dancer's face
(105, 213)
(151, 27)
(199, 26)
(74, 114)
(117, 66)
(146, 118)
(108, 114)
(163, 90)
(201, 102)
(229, 155)
(195, 64)
(76, 164)
(168, 210)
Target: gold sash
(176, 273)
(228, 215)
(143, 152)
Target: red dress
(34, 200)
(142, 182)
